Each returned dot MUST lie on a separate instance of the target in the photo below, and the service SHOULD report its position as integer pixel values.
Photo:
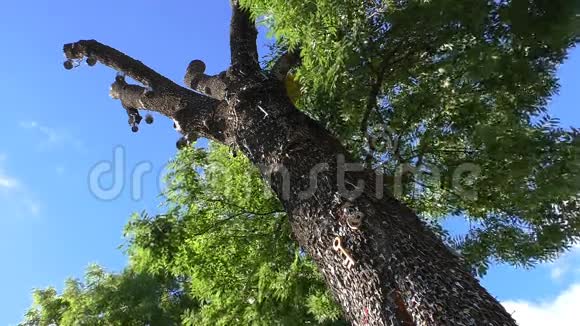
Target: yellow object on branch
(292, 88)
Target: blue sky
(59, 125)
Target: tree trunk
(382, 265)
(402, 274)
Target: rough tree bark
(401, 273)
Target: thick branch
(194, 112)
(285, 63)
(116, 60)
(243, 33)
(214, 86)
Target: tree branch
(194, 112)
(243, 34)
(214, 86)
(372, 104)
(117, 60)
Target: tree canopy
(128, 298)
(423, 86)
(427, 86)
(220, 255)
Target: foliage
(429, 85)
(128, 298)
(226, 232)
(432, 85)
(223, 245)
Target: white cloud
(561, 311)
(564, 266)
(52, 137)
(13, 194)
(558, 271)
(7, 182)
